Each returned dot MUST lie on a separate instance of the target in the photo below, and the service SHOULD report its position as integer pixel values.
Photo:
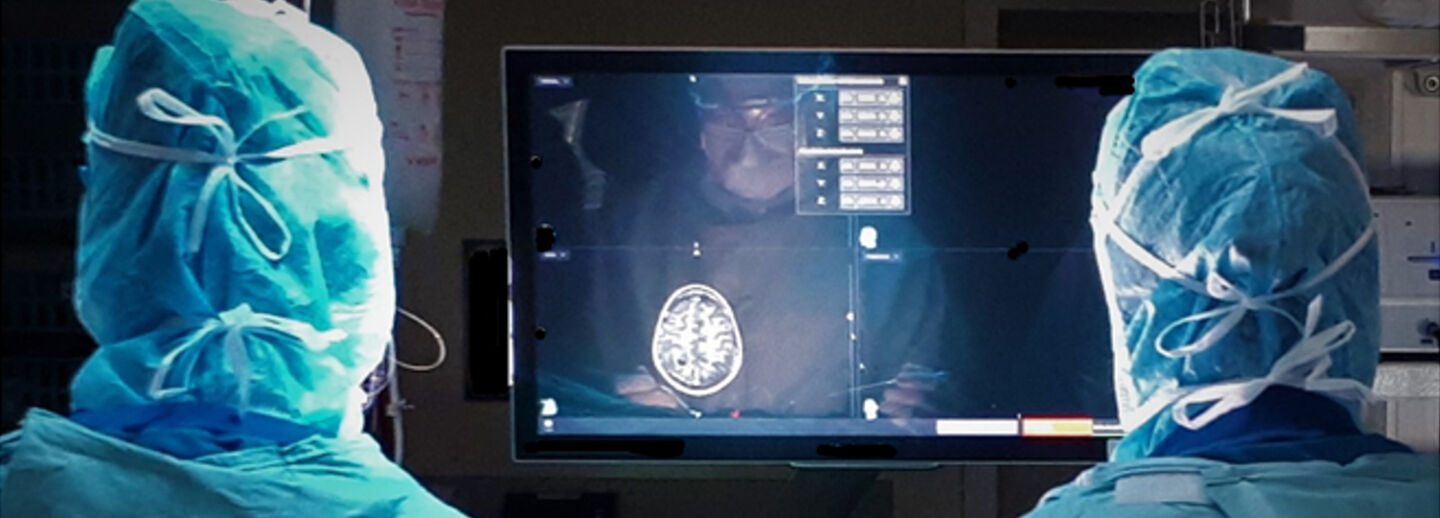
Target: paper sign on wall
(402, 42)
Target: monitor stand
(830, 490)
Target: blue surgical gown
(56, 467)
(1391, 485)
(1290, 454)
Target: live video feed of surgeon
(717, 298)
(1235, 240)
(234, 265)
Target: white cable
(439, 344)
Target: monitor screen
(759, 255)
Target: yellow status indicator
(1057, 427)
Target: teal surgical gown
(55, 467)
(1392, 485)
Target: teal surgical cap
(234, 245)
(1234, 239)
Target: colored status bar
(1025, 426)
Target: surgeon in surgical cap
(1236, 245)
(234, 267)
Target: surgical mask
(1303, 366)
(754, 164)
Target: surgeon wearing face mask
(1235, 242)
(748, 139)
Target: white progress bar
(980, 427)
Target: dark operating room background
(460, 447)
(44, 71)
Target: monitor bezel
(520, 63)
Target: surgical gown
(61, 469)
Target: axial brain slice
(697, 348)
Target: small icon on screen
(554, 81)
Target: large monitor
(735, 255)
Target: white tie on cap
(235, 324)
(161, 106)
(1312, 347)
(1218, 288)
(1160, 142)
(1303, 367)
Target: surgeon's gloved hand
(641, 388)
(909, 393)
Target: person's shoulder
(1396, 466)
(1098, 491)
